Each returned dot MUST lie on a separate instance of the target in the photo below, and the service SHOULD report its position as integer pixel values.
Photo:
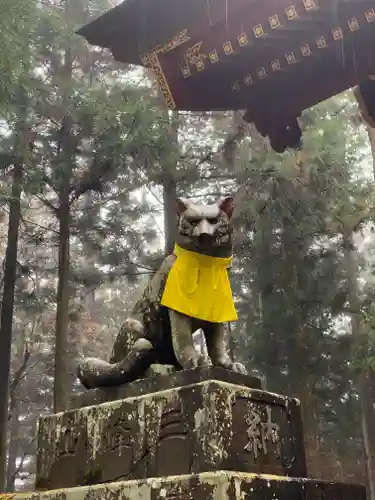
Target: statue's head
(205, 229)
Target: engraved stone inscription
(207, 426)
(119, 448)
(261, 431)
(117, 436)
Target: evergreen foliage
(103, 162)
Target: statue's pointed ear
(181, 206)
(227, 206)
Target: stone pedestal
(161, 382)
(197, 435)
(202, 426)
(220, 485)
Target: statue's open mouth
(206, 240)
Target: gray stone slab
(162, 382)
(218, 485)
(211, 425)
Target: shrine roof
(273, 58)
(136, 26)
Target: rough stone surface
(159, 330)
(160, 382)
(198, 428)
(220, 485)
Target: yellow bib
(198, 286)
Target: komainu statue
(191, 290)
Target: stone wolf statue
(191, 290)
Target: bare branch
(19, 372)
(48, 204)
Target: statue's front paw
(190, 359)
(228, 364)
(239, 368)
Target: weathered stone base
(197, 428)
(161, 378)
(219, 485)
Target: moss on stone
(219, 485)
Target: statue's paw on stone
(158, 369)
(91, 369)
(234, 366)
(239, 368)
(192, 360)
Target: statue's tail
(94, 372)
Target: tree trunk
(169, 208)
(61, 386)
(66, 157)
(300, 379)
(7, 309)
(363, 379)
(22, 356)
(170, 190)
(14, 447)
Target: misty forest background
(90, 166)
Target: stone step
(159, 381)
(220, 485)
(202, 427)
